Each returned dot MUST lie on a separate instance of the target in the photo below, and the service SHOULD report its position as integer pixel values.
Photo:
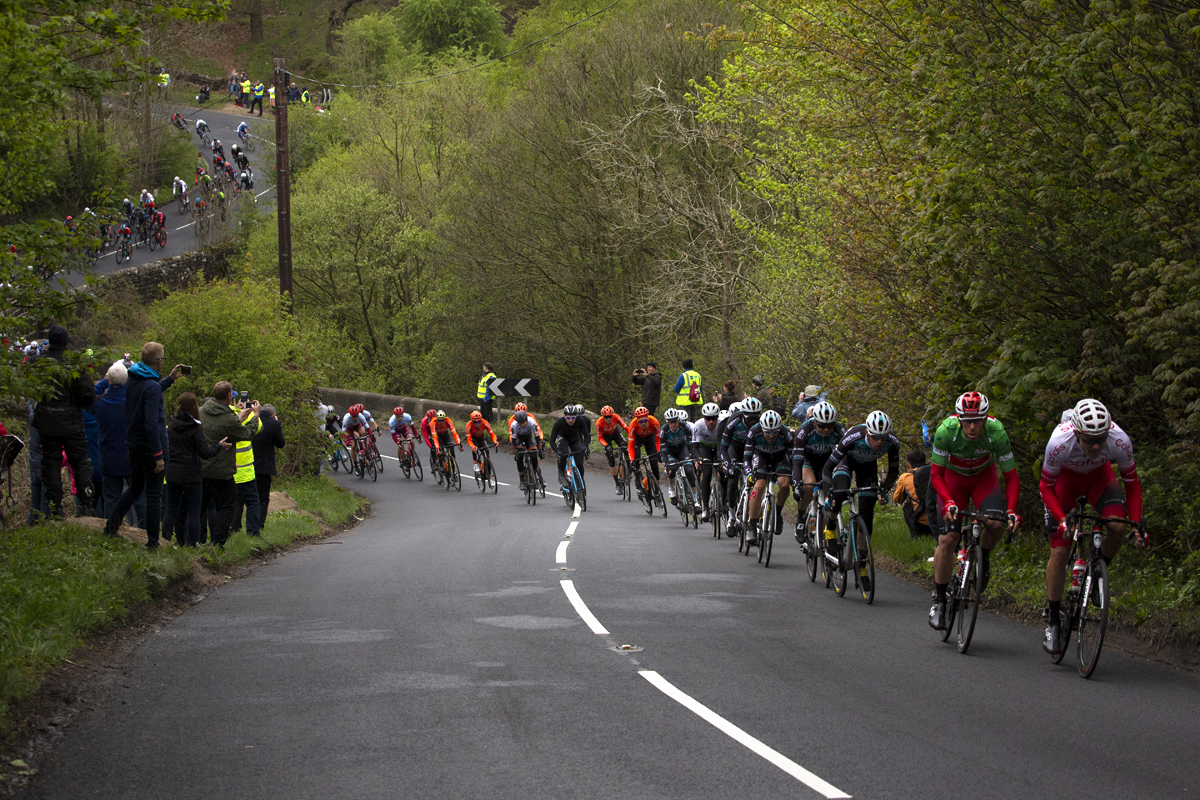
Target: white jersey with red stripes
(1064, 452)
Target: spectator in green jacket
(222, 421)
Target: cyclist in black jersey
(767, 449)
(706, 439)
(856, 454)
(571, 434)
(733, 442)
(814, 442)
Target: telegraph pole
(283, 186)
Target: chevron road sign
(508, 387)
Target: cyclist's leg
(671, 465)
(563, 449)
(579, 451)
(943, 557)
(1108, 499)
(866, 478)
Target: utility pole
(283, 186)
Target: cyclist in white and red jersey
(1078, 463)
(967, 449)
(356, 424)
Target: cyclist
(706, 439)
(967, 448)
(768, 446)
(401, 426)
(610, 430)
(443, 434)
(811, 447)
(524, 433)
(218, 164)
(177, 120)
(157, 221)
(235, 151)
(179, 189)
(205, 182)
(477, 431)
(675, 445)
(571, 435)
(201, 128)
(427, 437)
(1078, 464)
(246, 181)
(199, 208)
(243, 162)
(218, 149)
(856, 454)
(231, 176)
(146, 199)
(127, 209)
(643, 433)
(733, 444)
(124, 233)
(356, 425)
(243, 130)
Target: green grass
(60, 583)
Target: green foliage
(323, 497)
(373, 51)
(435, 26)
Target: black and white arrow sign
(509, 387)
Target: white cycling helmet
(823, 412)
(710, 410)
(673, 414)
(879, 423)
(723, 415)
(770, 420)
(752, 405)
(735, 407)
(1090, 418)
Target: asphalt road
(181, 236)
(433, 652)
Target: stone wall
(158, 278)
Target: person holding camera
(222, 420)
(146, 435)
(650, 379)
(185, 485)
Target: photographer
(650, 379)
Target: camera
(184, 369)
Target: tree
(435, 26)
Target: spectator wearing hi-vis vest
(245, 87)
(258, 91)
(483, 392)
(689, 393)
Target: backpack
(694, 392)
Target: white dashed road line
(582, 610)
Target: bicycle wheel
(446, 479)
(680, 504)
(716, 509)
(162, 238)
(369, 467)
(480, 478)
(415, 462)
(377, 456)
(491, 474)
(1093, 616)
(867, 563)
(334, 460)
(581, 492)
(456, 475)
(183, 204)
(359, 468)
(812, 552)
(153, 241)
(120, 254)
(646, 495)
(659, 500)
(840, 574)
(766, 536)
(541, 482)
(968, 598)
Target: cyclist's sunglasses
(570, 418)
(823, 426)
(1092, 441)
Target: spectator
(91, 431)
(258, 91)
(114, 452)
(910, 492)
(650, 379)
(222, 421)
(293, 93)
(233, 84)
(268, 439)
(689, 394)
(808, 398)
(246, 496)
(185, 485)
(728, 397)
(483, 392)
(245, 94)
(59, 423)
(146, 435)
(37, 498)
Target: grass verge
(60, 583)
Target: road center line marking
(582, 610)
(577, 510)
(560, 557)
(737, 734)
(571, 528)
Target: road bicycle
(373, 451)
(339, 456)
(624, 476)
(158, 237)
(716, 501)
(449, 469)
(410, 464)
(124, 251)
(248, 140)
(576, 490)
(485, 473)
(855, 554)
(532, 482)
(363, 463)
(203, 134)
(966, 584)
(769, 527)
(810, 532)
(648, 490)
(685, 497)
(741, 512)
(182, 203)
(1085, 606)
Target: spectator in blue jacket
(91, 431)
(808, 398)
(146, 435)
(114, 452)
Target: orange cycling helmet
(607, 411)
(476, 416)
(520, 407)
(642, 412)
(398, 411)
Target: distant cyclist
(706, 440)
(201, 128)
(401, 426)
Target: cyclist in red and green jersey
(967, 449)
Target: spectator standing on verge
(483, 392)
(727, 398)
(114, 452)
(910, 493)
(37, 498)
(222, 421)
(185, 485)
(689, 393)
(808, 398)
(146, 435)
(650, 379)
(246, 496)
(257, 92)
(268, 439)
(59, 423)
